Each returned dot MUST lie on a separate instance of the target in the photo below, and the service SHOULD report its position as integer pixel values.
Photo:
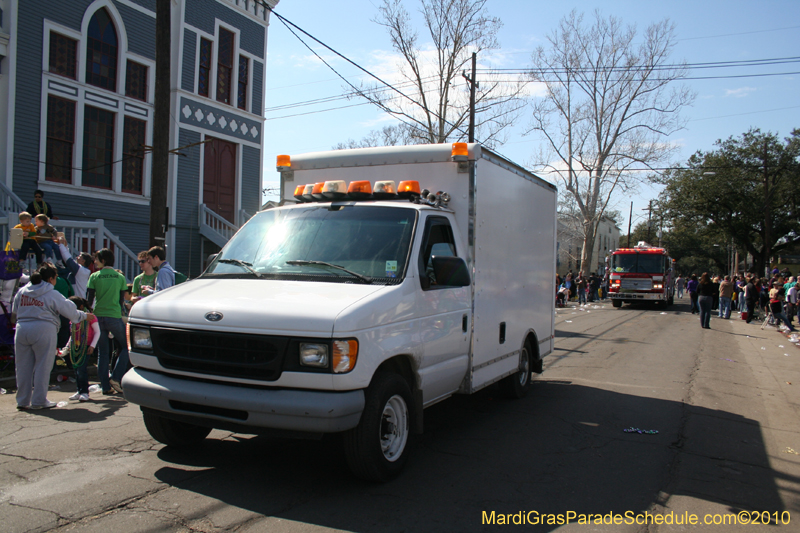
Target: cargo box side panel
(514, 268)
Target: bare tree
(609, 105)
(436, 110)
(394, 135)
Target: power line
(288, 23)
(345, 96)
(650, 68)
(748, 113)
(737, 33)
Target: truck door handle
(464, 323)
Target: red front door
(219, 178)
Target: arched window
(101, 52)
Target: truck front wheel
(517, 384)
(376, 448)
(172, 432)
(616, 303)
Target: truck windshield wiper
(244, 264)
(329, 265)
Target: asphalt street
(724, 403)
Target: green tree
(746, 189)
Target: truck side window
(438, 240)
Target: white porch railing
(87, 237)
(214, 227)
(10, 202)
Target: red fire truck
(641, 274)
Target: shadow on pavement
(482, 453)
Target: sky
(707, 31)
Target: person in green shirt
(144, 283)
(65, 288)
(106, 293)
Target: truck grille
(258, 357)
(637, 284)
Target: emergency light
(407, 189)
(363, 190)
(307, 192)
(459, 152)
(360, 190)
(385, 190)
(284, 163)
(316, 192)
(334, 190)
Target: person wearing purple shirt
(691, 288)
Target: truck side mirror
(450, 271)
(209, 260)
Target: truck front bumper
(282, 409)
(634, 296)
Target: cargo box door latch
(502, 332)
(464, 322)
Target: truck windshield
(343, 243)
(641, 263)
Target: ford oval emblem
(213, 316)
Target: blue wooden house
(76, 94)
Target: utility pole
(767, 215)
(649, 214)
(160, 174)
(472, 85)
(630, 220)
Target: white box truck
(357, 304)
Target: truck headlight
(140, 339)
(312, 354)
(345, 354)
(658, 286)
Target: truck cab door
(444, 311)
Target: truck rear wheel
(616, 303)
(517, 384)
(376, 448)
(172, 432)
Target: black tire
(616, 303)
(518, 384)
(173, 433)
(387, 413)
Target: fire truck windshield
(636, 262)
